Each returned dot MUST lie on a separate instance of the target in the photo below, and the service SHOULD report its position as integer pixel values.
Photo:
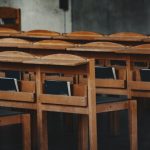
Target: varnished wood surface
(87, 35)
(59, 59)
(11, 13)
(52, 44)
(127, 36)
(44, 104)
(7, 31)
(76, 36)
(108, 47)
(140, 49)
(15, 56)
(37, 34)
(98, 47)
(15, 42)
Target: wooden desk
(127, 38)
(105, 53)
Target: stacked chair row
(61, 45)
(77, 35)
(87, 93)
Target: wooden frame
(11, 13)
(24, 120)
(75, 65)
(51, 103)
(123, 54)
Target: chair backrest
(68, 66)
(110, 80)
(12, 63)
(112, 71)
(139, 78)
(10, 17)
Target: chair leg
(133, 125)
(34, 130)
(83, 132)
(93, 131)
(42, 130)
(26, 131)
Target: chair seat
(5, 112)
(107, 99)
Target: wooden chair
(8, 117)
(78, 103)
(24, 99)
(82, 101)
(11, 18)
(13, 61)
(117, 86)
(138, 87)
(109, 99)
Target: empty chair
(83, 100)
(112, 96)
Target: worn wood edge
(64, 57)
(7, 41)
(110, 83)
(53, 42)
(63, 100)
(16, 96)
(83, 34)
(16, 54)
(102, 45)
(7, 30)
(127, 35)
(141, 46)
(139, 85)
(58, 59)
(41, 33)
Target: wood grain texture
(127, 36)
(15, 56)
(53, 44)
(17, 96)
(14, 42)
(4, 30)
(59, 59)
(39, 33)
(98, 47)
(86, 35)
(63, 100)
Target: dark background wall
(109, 16)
